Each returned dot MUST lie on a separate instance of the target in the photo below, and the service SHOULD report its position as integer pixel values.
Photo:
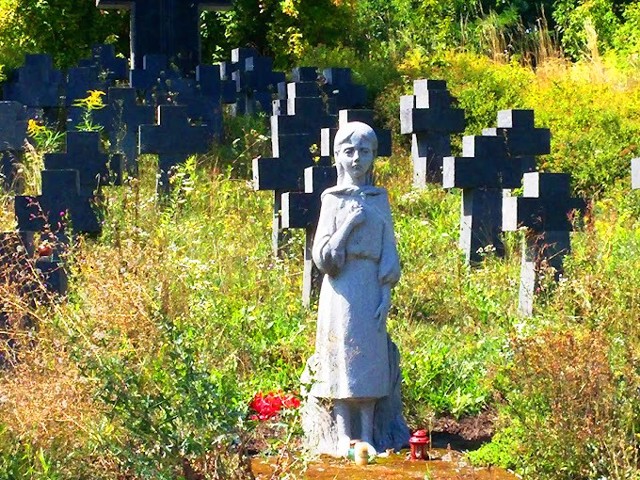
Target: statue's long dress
(351, 358)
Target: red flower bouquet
(268, 405)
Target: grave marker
(238, 56)
(13, 133)
(154, 75)
(292, 137)
(256, 82)
(491, 163)
(173, 139)
(522, 139)
(84, 153)
(338, 85)
(212, 84)
(61, 202)
(484, 170)
(36, 84)
(51, 214)
(307, 75)
(635, 173)
(167, 27)
(80, 81)
(547, 211)
(121, 117)
(304, 74)
(110, 67)
(162, 85)
(428, 115)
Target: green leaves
(65, 28)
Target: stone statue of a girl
(355, 365)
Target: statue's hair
(344, 134)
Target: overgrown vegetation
(178, 313)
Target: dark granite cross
(635, 173)
(69, 183)
(80, 81)
(292, 137)
(121, 117)
(484, 170)
(173, 139)
(238, 56)
(70, 187)
(428, 115)
(256, 83)
(155, 72)
(307, 75)
(338, 85)
(36, 84)
(84, 153)
(203, 96)
(522, 139)
(111, 67)
(548, 212)
(13, 133)
(61, 207)
(212, 84)
(168, 27)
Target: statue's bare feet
(344, 444)
(343, 426)
(370, 449)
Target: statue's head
(355, 147)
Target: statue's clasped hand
(357, 215)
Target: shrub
(65, 29)
(568, 400)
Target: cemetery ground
(178, 315)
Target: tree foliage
(289, 29)
(282, 29)
(64, 28)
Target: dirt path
(444, 465)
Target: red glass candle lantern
(418, 443)
(44, 249)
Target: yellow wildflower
(91, 102)
(95, 98)
(33, 128)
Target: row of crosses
(178, 91)
(163, 30)
(491, 165)
(304, 120)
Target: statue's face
(356, 158)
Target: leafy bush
(282, 29)
(64, 28)
(445, 371)
(586, 27)
(20, 459)
(626, 39)
(558, 376)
